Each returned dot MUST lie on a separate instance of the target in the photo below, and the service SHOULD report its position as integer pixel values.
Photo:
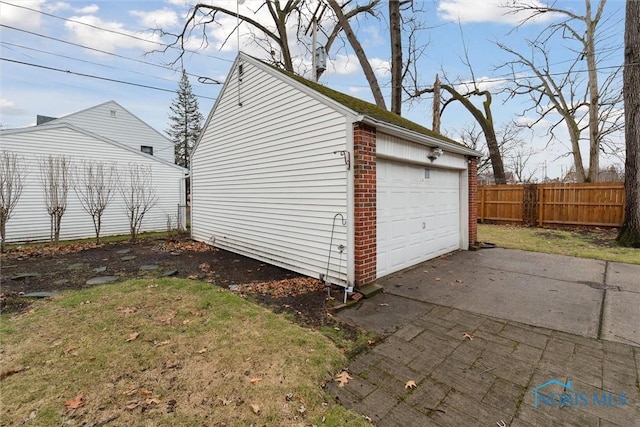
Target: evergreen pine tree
(185, 122)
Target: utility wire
(88, 48)
(114, 31)
(83, 60)
(97, 77)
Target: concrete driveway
(500, 337)
(592, 298)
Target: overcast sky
(61, 57)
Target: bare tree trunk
(486, 123)
(11, 184)
(630, 231)
(594, 91)
(436, 105)
(54, 177)
(396, 56)
(359, 51)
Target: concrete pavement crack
(604, 297)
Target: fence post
(529, 204)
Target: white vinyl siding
(266, 181)
(30, 220)
(122, 126)
(394, 148)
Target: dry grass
(596, 243)
(203, 356)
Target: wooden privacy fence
(596, 204)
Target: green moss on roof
(366, 108)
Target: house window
(113, 113)
(147, 149)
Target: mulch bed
(49, 269)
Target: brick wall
(473, 200)
(365, 217)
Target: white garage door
(418, 213)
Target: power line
(115, 32)
(83, 60)
(87, 47)
(96, 77)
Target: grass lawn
(585, 243)
(167, 352)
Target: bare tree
(484, 118)
(508, 139)
(11, 184)
(360, 54)
(519, 163)
(285, 33)
(95, 186)
(629, 234)
(582, 103)
(55, 181)
(139, 195)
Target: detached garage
(301, 176)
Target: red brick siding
(365, 217)
(473, 200)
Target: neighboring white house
(298, 175)
(30, 220)
(111, 120)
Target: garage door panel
(418, 217)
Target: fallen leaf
(152, 401)
(75, 403)
(302, 409)
(437, 279)
(130, 392)
(168, 318)
(411, 384)
(255, 408)
(255, 380)
(133, 336)
(342, 378)
(145, 392)
(160, 344)
(204, 350)
(70, 349)
(467, 336)
(132, 404)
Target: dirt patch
(43, 269)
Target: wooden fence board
(596, 204)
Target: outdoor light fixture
(435, 153)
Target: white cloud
(482, 84)
(88, 10)
(57, 6)
(355, 90)
(20, 17)
(381, 67)
(60, 6)
(9, 108)
(164, 18)
(104, 40)
(468, 11)
(343, 64)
